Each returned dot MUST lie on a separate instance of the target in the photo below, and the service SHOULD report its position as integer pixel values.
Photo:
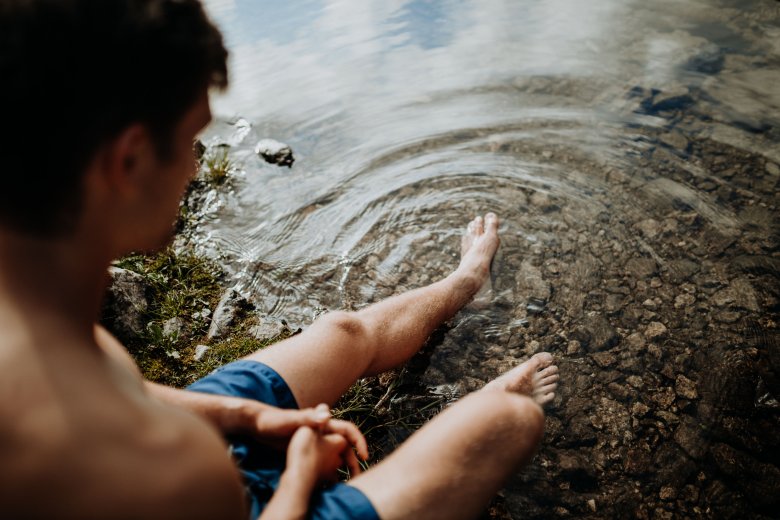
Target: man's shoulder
(166, 466)
(78, 444)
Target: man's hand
(313, 458)
(266, 423)
(318, 456)
(275, 426)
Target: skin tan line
(83, 436)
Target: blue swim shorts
(261, 466)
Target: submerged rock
(275, 152)
(685, 387)
(596, 334)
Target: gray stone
(675, 140)
(655, 351)
(201, 351)
(604, 359)
(667, 493)
(664, 398)
(530, 284)
(231, 307)
(739, 294)
(678, 271)
(685, 387)
(268, 328)
(542, 200)
(636, 342)
(642, 267)
(639, 409)
(635, 381)
(596, 334)
(126, 304)
(772, 168)
(637, 462)
(655, 330)
(579, 432)
(172, 328)
(684, 300)
(689, 437)
(275, 152)
(649, 227)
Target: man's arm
(267, 423)
(312, 458)
(290, 501)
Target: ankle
(464, 283)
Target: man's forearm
(222, 411)
(291, 499)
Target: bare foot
(478, 246)
(536, 378)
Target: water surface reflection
(632, 149)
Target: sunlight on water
(631, 150)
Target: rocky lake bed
(636, 171)
(664, 328)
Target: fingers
(322, 414)
(345, 454)
(351, 433)
(353, 465)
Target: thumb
(316, 417)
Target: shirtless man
(124, 84)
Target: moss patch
(184, 291)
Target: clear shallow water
(631, 150)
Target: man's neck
(51, 281)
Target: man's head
(75, 75)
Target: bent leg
(452, 467)
(320, 364)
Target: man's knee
(348, 330)
(522, 419)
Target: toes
(541, 360)
(544, 399)
(546, 389)
(491, 222)
(548, 380)
(479, 227)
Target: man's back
(79, 438)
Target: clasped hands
(317, 444)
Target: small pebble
(655, 330)
(200, 351)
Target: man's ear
(127, 158)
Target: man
(103, 101)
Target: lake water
(632, 151)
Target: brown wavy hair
(74, 74)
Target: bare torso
(81, 438)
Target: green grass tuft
(387, 409)
(216, 166)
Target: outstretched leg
(320, 364)
(451, 467)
